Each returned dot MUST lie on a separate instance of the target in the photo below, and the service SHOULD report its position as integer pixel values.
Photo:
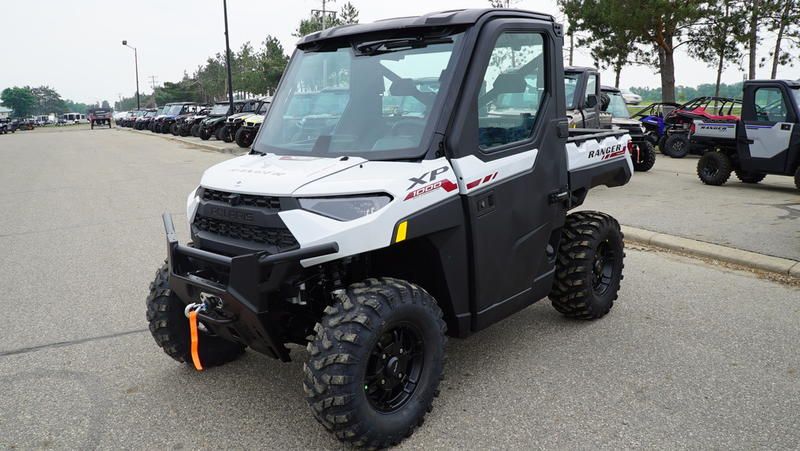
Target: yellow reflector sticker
(401, 231)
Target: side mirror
(591, 101)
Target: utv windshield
(373, 99)
(570, 84)
(616, 105)
(263, 108)
(219, 109)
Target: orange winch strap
(195, 340)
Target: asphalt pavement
(692, 355)
(670, 198)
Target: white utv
(367, 235)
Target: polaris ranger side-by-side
(643, 152)
(369, 233)
(766, 138)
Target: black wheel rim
(709, 169)
(394, 368)
(603, 267)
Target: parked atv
(214, 123)
(652, 118)
(643, 152)
(175, 110)
(368, 237)
(765, 138)
(247, 132)
(696, 126)
(234, 121)
(143, 122)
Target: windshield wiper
(395, 45)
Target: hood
(271, 174)
(213, 119)
(255, 119)
(238, 115)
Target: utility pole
(571, 46)
(324, 12)
(228, 55)
(136, 62)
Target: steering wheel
(406, 127)
(761, 113)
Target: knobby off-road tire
(647, 157)
(174, 129)
(676, 145)
(204, 133)
(226, 134)
(357, 338)
(749, 177)
(195, 130)
(243, 138)
(714, 168)
(588, 266)
(170, 328)
(220, 133)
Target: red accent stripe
(494, 176)
(449, 186)
(473, 184)
(487, 178)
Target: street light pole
(136, 62)
(228, 55)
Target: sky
(75, 46)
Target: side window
(770, 105)
(591, 86)
(512, 89)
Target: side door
(769, 119)
(509, 161)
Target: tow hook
(191, 312)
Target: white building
(5, 112)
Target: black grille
(281, 238)
(248, 200)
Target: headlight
(191, 204)
(346, 208)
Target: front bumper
(237, 288)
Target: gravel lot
(692, 356)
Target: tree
(661, 25)
(753, 39)
(784, 16)
(610, 46)
(21, 100)
(716, 38)
(347, 15)
(47, 100)
(272, 62)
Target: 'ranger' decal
(607, 152)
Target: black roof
(609, 88)
(454, 17)
(580, 69)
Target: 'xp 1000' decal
(447, 185)
(607, 153)
(432, 183)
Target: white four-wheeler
(368, 234)
(767, 138)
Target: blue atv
(652, 118)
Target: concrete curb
(190, 142)
(753, 260)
